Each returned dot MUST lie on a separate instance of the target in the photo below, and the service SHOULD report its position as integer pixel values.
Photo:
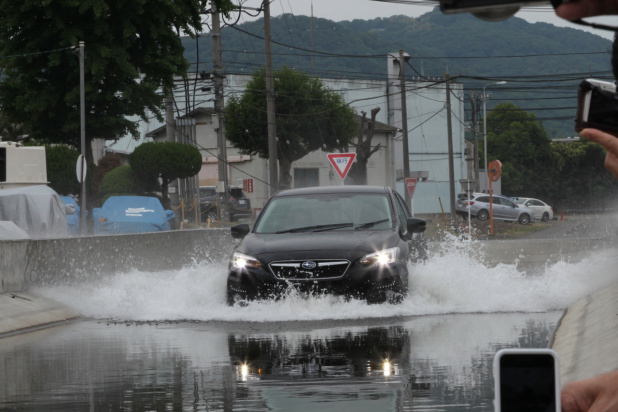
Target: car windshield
(326, 212)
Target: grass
(438, 228)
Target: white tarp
(38, 210)
(10, 231)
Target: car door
(509, 209)
(500, 210)
(536, 206)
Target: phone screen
(527, 383)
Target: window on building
(306, 177)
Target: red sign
(342, 162)
(247, 185)
(411, 185)
(495, 170)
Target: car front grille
(309, 269)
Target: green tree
(567, 175)
(132, 48)
(309, 117)
(166, 161)
(520, 142)
(105, 165)
(580, 179)
(123, 181)
(61, 161)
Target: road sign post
(341, 163)
(410, 183)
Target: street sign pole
(410, 183)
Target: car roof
(332, 189)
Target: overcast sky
(338, 10)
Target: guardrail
(25, 263)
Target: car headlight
(382, 257)
(242, 261)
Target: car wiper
(367, 225)
(316, 228)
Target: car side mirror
(240, 231)
(416, 225)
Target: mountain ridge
(541, 63)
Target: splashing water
(455, 279)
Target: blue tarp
(131, 214)
(73, 218)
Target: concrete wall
(31, 262)
(586, 337)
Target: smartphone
(526, 380)
(597, 106)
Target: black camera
(597, 106)
(490, 10)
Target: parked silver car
(502, 208)
(540, 208)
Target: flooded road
(167, 341)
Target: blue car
(131, 214)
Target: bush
(121, 181)
(61, 161)
(105, 165)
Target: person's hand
(579, 9)
(597, 394)
(609, 142)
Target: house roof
(380, 127)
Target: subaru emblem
(309, 265)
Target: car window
(207, 192)
(505, 202)
(484, 199)
(236, 192)
(402, 211)
(351, 211)
(535, 203)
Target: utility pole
(451, 163)
(82, 111)
(170, 136)
(270, 105)
(404, 126)
(475, 130)
(219, 109)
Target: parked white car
(540, 208)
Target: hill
(541, 63)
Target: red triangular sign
(411, 185)
(341, 162)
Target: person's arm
(579, 9)
(609, 142)
(597, 394)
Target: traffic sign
(81, 168)
(495, 170)
(411, 185)
(247, 185)
(342, 162)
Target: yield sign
(411, 185)
(342, 162)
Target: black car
(239, 205)
(354, 241)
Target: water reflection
(431, 362)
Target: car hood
(325, 245)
